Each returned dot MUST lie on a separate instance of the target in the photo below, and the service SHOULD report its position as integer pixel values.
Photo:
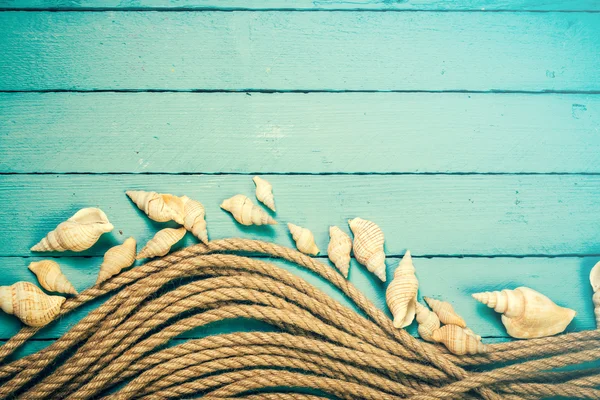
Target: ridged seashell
(470, 332)
(78, 233)
(457, 341)
(339, 248)
(245, 212)
(368, 246)
(526, 313)
(595, 282)
(194, 218)
(428, 322)
(305, 241)
(28, 303)
(116, 259)
(401, 294)
(445, 312)
(161, 243)
(264, 192)
(157, 206)
(51, 277)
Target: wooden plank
(300, 51)
(300, 133)
(431, 214)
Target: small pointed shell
(116, 259)
(368, 246)
(305, 241)
(595, 282)
(157, 206)
(78, 233)
(28, 303)
(445, 312)
(245, 212)
(51, 277)
(470, 332)
(457, 341)
(194, 218)
(161, 243)
(264, 192)
(428, 322)
(401, 294)
(338, 251)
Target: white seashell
(368, 246)
(470, 332)
(194, 218)
(264, 192)
(526, 313)
(457, 341)
(116, 259)
(596, 301)
(428, 322)
(28, 303)
(401, 294)
(338, 251)
(51, 277)
(78, 233)
(157, 206)
(245, 212)
(445, 312)
(595, 282)
(305, 241)
(161, 243)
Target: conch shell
(401, 294)
(458, 341)
(157, 206)
(51, 277)
(161, 243)
(305, 241)
(526, 313)
(78, 233)
(445, 312)
(428, 322)
(595, 281)
(339, 249)
(194, 218)
(368, 246)
(28, 303)
(116, 259)
(245, 212)
(264, 192)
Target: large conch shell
(445, 312)
(305, 241)
(339, 249)
(401, 294)
(245, 212)
(368, 246)
(194, 218)
(428, 322)
(264, 192)
(116, 259)
(161, 243)
(458, 341)
(51, 277)
(526, 313)
(28, 303)
(157, 206)
(78, 233)
(595, 281)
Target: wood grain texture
(300, 51)
(299, 133)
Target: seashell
(193, 219)
(368, 246)
(339, 249)
(116, 259)
(401, 294)
(428, 322)
(445, 312)
(245, 212)
(595, 282)
(161, 243)
(305, 241)
(526, 313)
(28, 303)
(51, 277)
(470, 332)
(264, 192)
(457, 341)
(157, 206)
(78, 233)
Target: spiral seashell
(116, 259)
(78, 233)
(245, 212)
(51, 277)
(457, 341)
(368, 246)
(445, 312)
(401, 294)
(305, 241)
(595, 282)
(194, 218)
(470, 332)
(157, 206)
(428, 322)
(28, 303)
(161, 243)
(526, 313)
(264, 192)
(339, 248)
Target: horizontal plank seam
(266, 173)
(282, 9)
(388, 256)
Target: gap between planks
(249, 91)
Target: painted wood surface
(300, 51)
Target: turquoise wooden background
(469, 131)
